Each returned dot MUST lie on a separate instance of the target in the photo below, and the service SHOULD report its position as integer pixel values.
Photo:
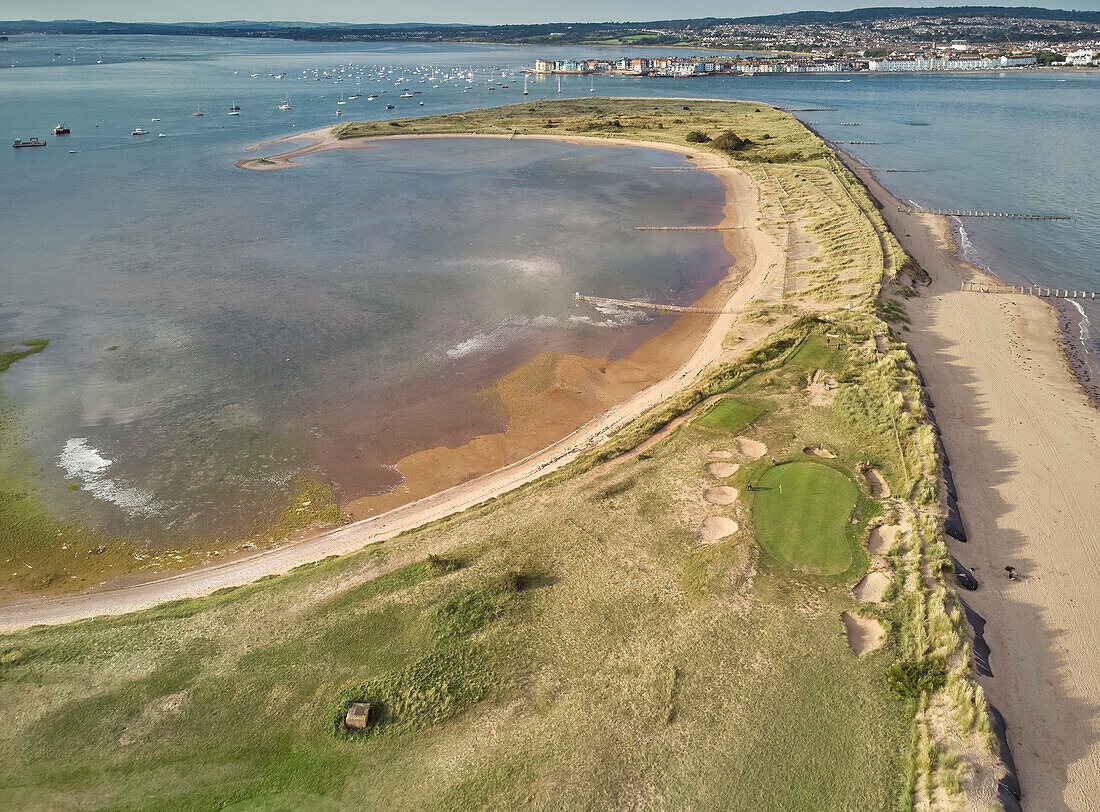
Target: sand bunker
(824, 453)
(822, 390)
(721, 470)
(871, 587)
(717, 527)
(879, 488)
(881, 539)
(864, 633)
(751, 448)
(721, 454)
(722, 495)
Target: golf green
(729, 414)
(801, 512)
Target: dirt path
(1022, 439)
(767, 264)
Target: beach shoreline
(759, 262)
(1021, 432)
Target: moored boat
(61, 129)
(29, 142)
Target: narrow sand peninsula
(760, 265)
(1022, 438)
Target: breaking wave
(82, 461)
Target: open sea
(216, 332)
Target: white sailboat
(286, 103)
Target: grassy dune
(585, 641)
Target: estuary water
(216, 332)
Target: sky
(439, 11)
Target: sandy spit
(1022, 436)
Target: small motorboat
(140, 131)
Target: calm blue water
(330, 319)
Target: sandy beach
(587, 400)
(1021, 436)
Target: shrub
(912, 678)
(697, 137)
(729, 141)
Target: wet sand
(1022, 438)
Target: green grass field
(815, 353)
(729, 414)
(801, 512)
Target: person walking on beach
(1012, 574)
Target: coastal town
(951, 58)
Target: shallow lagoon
(325, 320)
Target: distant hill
(894, 12)
(675, 31)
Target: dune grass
(801, 512)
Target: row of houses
(683, 67)
(923, 63)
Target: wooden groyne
(674, 168)
(976, 213)
(686, 228)
(1028, 290)
(601, 301)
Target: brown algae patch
(717, 527)
(864, 633)
(721, 495)
(722, 470)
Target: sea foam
(84, 462)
